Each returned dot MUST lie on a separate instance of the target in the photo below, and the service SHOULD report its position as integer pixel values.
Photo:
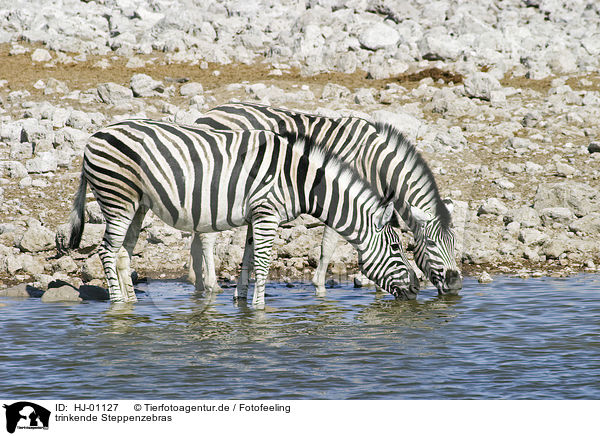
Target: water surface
(511, 339)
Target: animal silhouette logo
(26, 415)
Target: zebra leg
(202, 270)
(209, 278)
(126, 252)
(264, 228)
(330, 238)
(241, 290)
(195, 268)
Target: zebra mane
(394, 138)
(319, 152)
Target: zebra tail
(76, 221)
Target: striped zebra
(382, 156)
(203, 180)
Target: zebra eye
(396, 246)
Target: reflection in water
(511, 339)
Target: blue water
(511, 339)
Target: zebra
(383, 156)
(204, 180)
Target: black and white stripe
(384, 158)
(204, 180)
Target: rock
(191, 89)
(589, 224)
(65, 293)
(554, 248)
(91, 292)
(481, 85)
(485, 278)
(564, 170)
(594, 147)
(41, 55)
(67, 264)
(333, 91)
(14, 169)
(525, 216)
(143, 85)
(436, 44)
(492, 206)
(21, 291)
(45, 162)
(36, 238)
(532, 237)
(92, 268)
(562, 215)
(92, 236)
(379, 36)
(111, 93)
(579, 197)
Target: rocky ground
(502, 99)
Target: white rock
(191, 89)
(112, 93)
(143, 85)
(44, 162)
(493, 206)
(480, 85)
(379, 36)
(41, 55)
(485, 278)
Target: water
(512, 339)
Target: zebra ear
(449, 205)
(420, 215)
(386, 216)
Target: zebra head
(384, 260)
(435, 251)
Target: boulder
(36, 238)
(143, 85)
(21, 291)
(493, 206)
(580, 198)
(64, 293)
(480, 85)
(589, 224)
(525, 216)
(191, 89)
(111, 93)
(379, 36)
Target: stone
(485, 278)
(493, 206)
(480, 85)
(112, 93)
(91, 292)
(191, 89)
(564, 170)
(579, 197)
(65, 293)
(526, 216)
(92, 268)
(555, 248)
(41, 55)
(13, 169)
(594, 147)
(379, 36)
(44, 162)
(532, 237)
(588, 224)
(143, 85)
(333, 91)
(562, 215)
(436, 44)
(36, 238)
(21, 291)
